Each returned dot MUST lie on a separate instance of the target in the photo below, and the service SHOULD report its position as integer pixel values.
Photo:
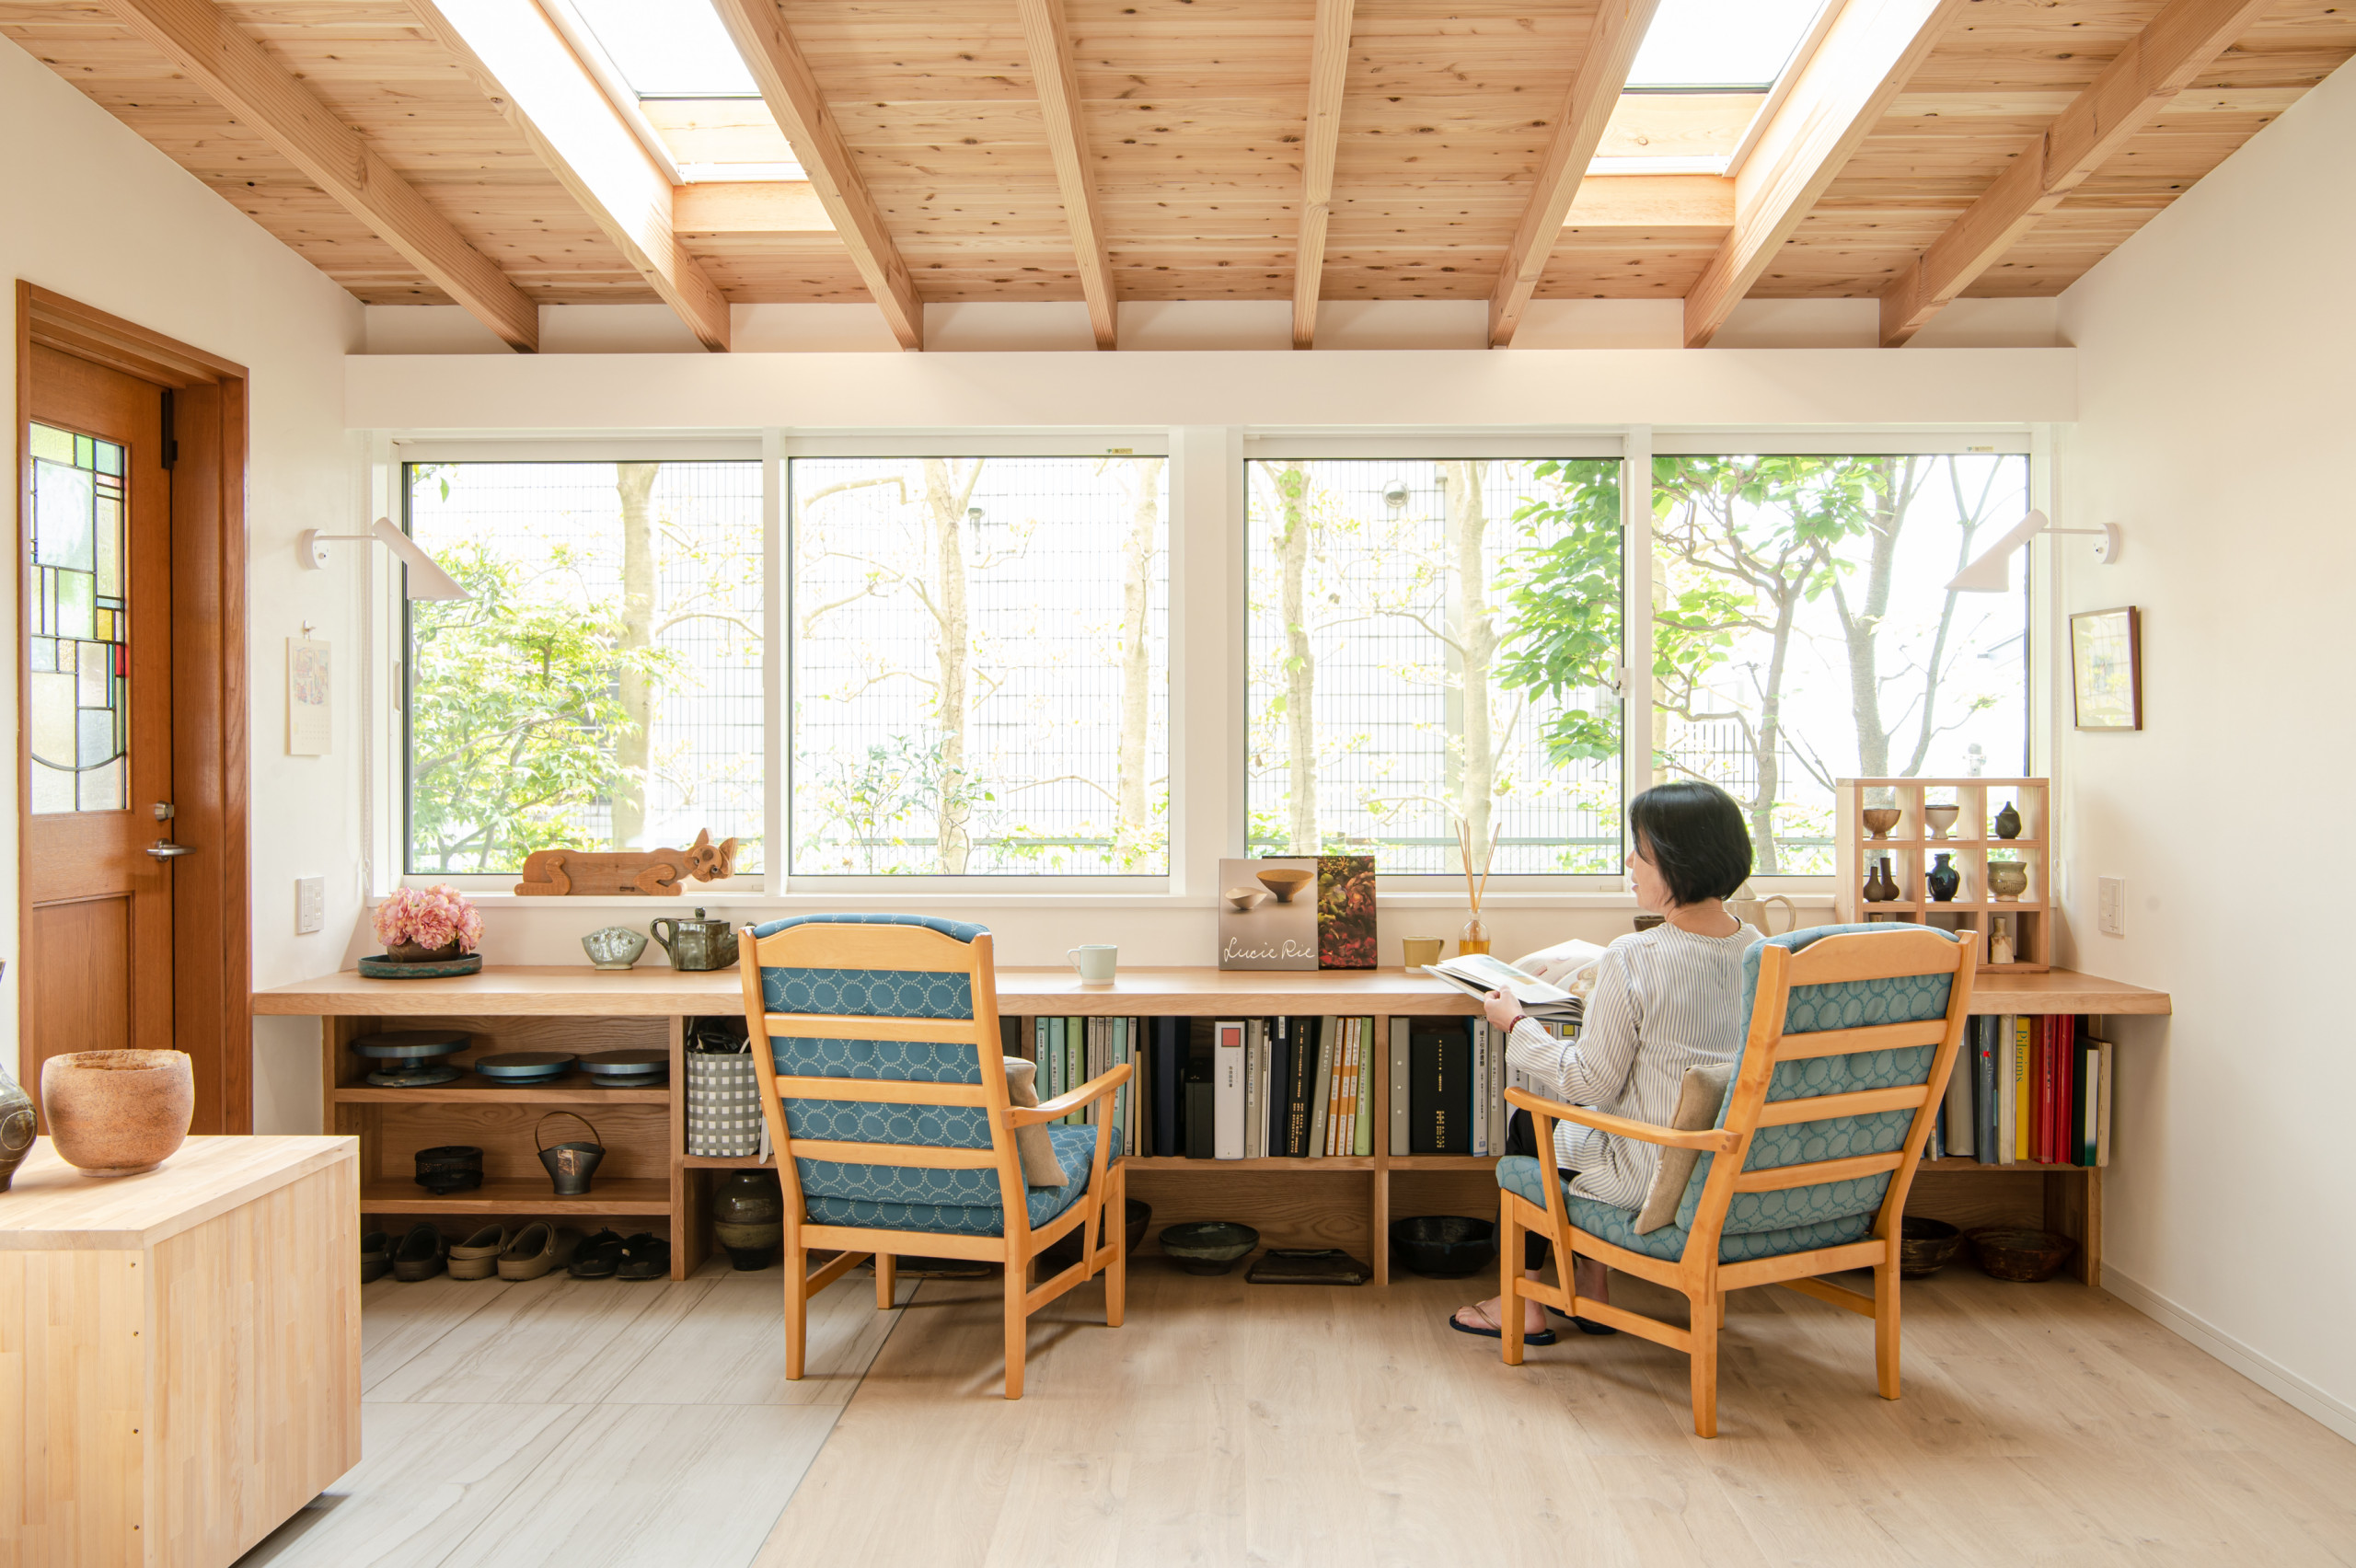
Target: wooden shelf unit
(648, 1181)
(1913, 853)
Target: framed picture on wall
(2107, 668)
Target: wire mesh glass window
(980, 666)
(1803, 631)
(1434, 644)
(602, 687)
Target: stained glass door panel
(77, 616)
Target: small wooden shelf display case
(1913, 844)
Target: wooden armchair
(884, 1090)
(1852, 1031)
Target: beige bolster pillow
(1040, 1166)
(1699, 1094)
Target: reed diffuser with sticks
(1475, 937)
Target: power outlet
(2110, 906)
(310, 905)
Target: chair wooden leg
(797, 1309)
(1116, 1272)
(1722, 1310)
(1018, 1284)
(1509, 1246)
(1704, 1319)
(885, 1281)
(1886, 1327)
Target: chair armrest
(1071, 1099)
(1709, 1140)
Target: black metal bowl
(1444, 1246)
(1208, 1246)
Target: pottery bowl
(117, 1112)
(1926, 1246)
(614, 947)
(1284, 884)
(1941, 818)
(1879, 820)
(1208, 1246)
(2019, 1253)
(2007, 878)
(449, 1167)
(1444, 1246)
(1244, 900)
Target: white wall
(96, 214)
(2217, 404)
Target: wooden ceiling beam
(747, 206)
(268, 100)
(792, 95)
(2140, 81)
(1328, 72)
(1618, 33)
(1843, 91)
(516, 55)
(1058, 85)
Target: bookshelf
(647, 1181)
(1912, 845)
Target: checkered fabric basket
(723, 1106)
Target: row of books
(1072, 1051)
(2029, 1089)
(1292, 1087)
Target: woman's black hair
(1695, 836)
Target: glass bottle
(1474, 937)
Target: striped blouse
(1664, 1000)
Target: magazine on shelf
(1477, 974)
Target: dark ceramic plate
(383, 968)
(525, 1067)
(410, 1044)
(633, 1065)
(413, 1078)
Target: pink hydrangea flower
(431, 917)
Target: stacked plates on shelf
(634, 1068)
(525, 1067)
(410, 1058)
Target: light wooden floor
(1239, 1423)
(587, 1422)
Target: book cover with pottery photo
(1267, 913)
(1346, 912)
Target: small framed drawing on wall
(2107, 668)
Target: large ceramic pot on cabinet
(748, 1218)
(118, 1112)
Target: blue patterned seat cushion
(906, 1197)
(1519, 1173)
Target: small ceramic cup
(1421, 951)
(614, 947)
(1095, 962)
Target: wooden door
(95, 744)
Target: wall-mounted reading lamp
(1992, 571)
(426, 579)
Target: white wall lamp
(1992, 571)
(426, 578)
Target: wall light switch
(2110, 906)
(310, 905)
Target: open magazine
(1477, 974)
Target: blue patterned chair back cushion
(882, 993)
(1854, 1003)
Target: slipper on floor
(644, 1256)
(1587, 1325)
(1543, 1336)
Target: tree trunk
(1861, 626)
(945, 502)
(1474, 632)
(1300, 663)
(1769, 743)
(634, 747)
(1137, 669)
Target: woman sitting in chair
(1663, 1000)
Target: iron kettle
(696, 943)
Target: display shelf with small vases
(1971, 844)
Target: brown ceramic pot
(409, 952)
(117, 1112)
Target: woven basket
(723, 1106)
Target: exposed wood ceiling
(940, 171)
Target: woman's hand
(1502, 1012)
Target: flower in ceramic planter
(431, 919)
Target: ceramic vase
(16, 1127)
(1944, 880)
(1999, 942)
(2007, 878)
(2008, 821)
(1881, 886)
(748, 1216)
(118, 1112)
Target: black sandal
(1585, 1325)
(598, 1256)
(1543, 1336)
(644, 1256)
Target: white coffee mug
(1095, 962)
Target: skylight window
(669, 49)
(1721, 46)
(673, 71)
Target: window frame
(1207, 573)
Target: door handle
(164, 849)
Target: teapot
(1751, 909)
(697, 943)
